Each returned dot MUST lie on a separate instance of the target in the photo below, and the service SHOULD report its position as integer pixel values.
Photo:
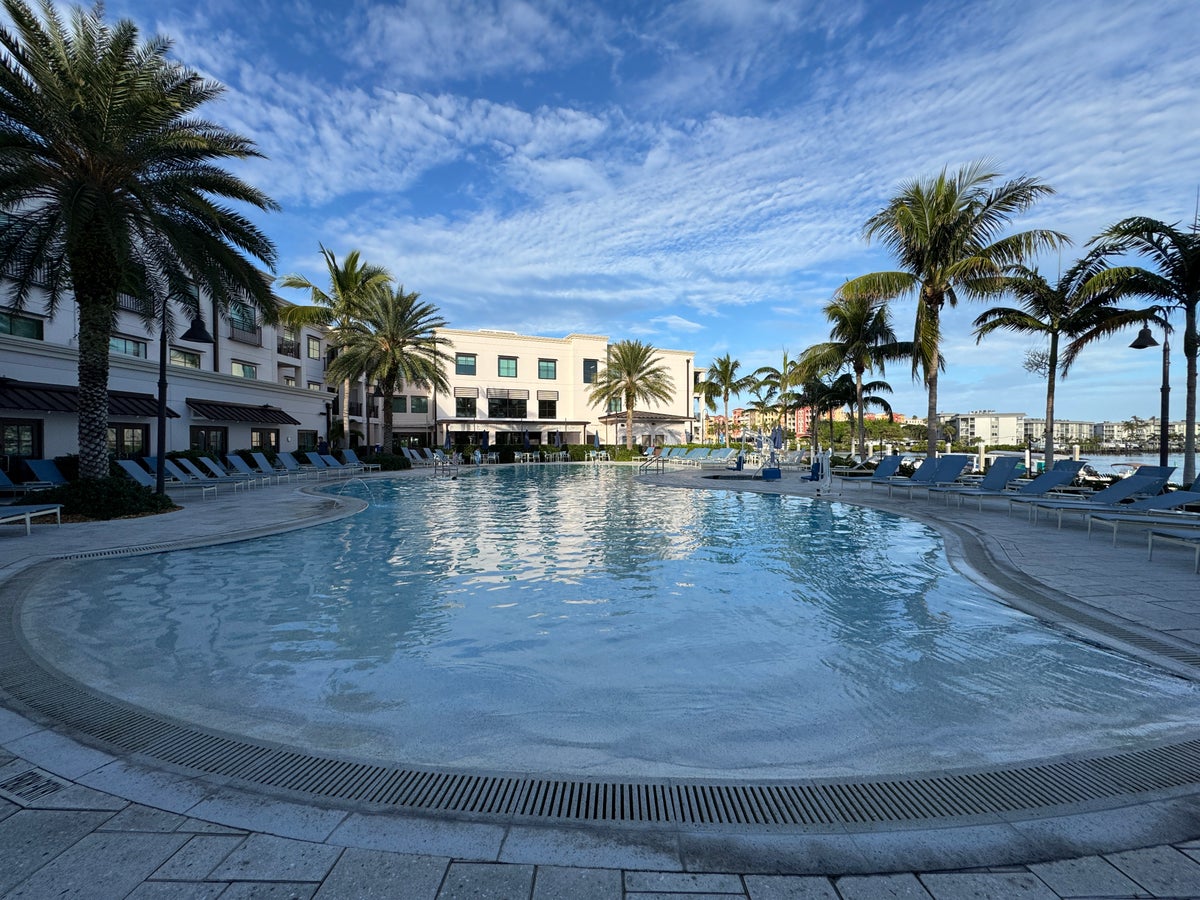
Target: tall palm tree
(780, 384)
(1078, 307)
(351, 284)
(632, 373)
(394, 340)
(724, 379)
(861, 338)
(1175, 281)
(945, 235)
(110, 185)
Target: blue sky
(696, 174)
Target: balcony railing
(288, 347)
(246, 335)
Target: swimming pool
(569, 620)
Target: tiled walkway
(75, 822)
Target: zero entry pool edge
(932, 799)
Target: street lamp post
(196, 334)
(1143, 341)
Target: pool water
(568, 620)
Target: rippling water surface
(568, 620)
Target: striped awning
(222, 411)
(64, 398)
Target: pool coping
(862, 825)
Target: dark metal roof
(64, 398)
(221, 411)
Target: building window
(316, 386)
(264, 439)
(209, 439)
(464, 407)
(128, 441)
(507, 367)
(306, 440)
(590, 368)
(242, 317)
(186, 358)
(289, 380)
(399, 404)
(547, 368)
(127, 347)
(20, 437)
(314, 347)
(20, 326)
(245, 370)
(547, 409)
(499, 408)
(616, 404)
(464, 364)
(420, 405)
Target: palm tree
(724, 379)
(351, 285)
(861, 338)
(1078, 307)
(633, 373)
(944, 233)
(109, 185)
(1176, 282)
(394, 340)
(780, 384)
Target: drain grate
(29, 787)
(816, 803)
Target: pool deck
(76, 821)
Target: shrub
(106, 498)
(391, 462)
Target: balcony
(245, 333)
(288, 347)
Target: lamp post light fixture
(196, 334)
(1143, 341)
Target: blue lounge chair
(264, 467)
(923, 473)
(7, 486)
(218, 472)
(1110, 497)
(1180, 536)
(236, 481)
(24, 515)
(45, 470)
(884, 472)
(946, 471)
(1002, 472)
(344, 468)
(293, 465)
(150, 481)
(241, 467)
(352, 458)
(1152, 512)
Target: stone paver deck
(77, 822)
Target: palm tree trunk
(931, 416)
(389, 388)
(726, 397)
(95, 329)
(1051, 378)
(862, 429)
(96, 297)
(1191, 346)
(346, 413)
(628, 423)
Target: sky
(696, 174)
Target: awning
(220, 411)
(64, 398)
(645, 418)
